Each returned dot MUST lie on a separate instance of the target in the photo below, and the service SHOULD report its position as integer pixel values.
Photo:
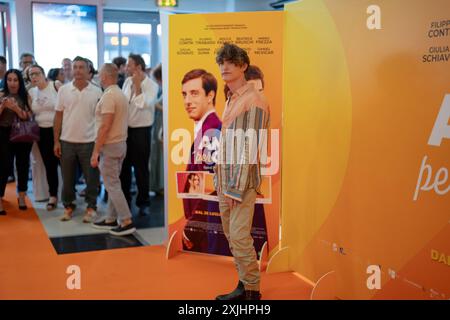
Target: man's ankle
(126, 223)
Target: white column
(230, 5)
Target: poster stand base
(263, 257)
(173, 246)
(325, 288)
(279, 261)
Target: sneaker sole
(123, 233)
(102, 227)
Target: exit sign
(167, 3)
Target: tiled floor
(75, 236)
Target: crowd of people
(94, 124)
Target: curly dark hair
(232, 53)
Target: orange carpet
(31, 269)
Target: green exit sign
(167, 3)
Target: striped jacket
(244, 121)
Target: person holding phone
(15, 104)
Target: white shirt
(43, 104)
(78, 125)
(141, 112)
(199, 123)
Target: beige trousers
(237, 224)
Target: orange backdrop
(361, 100)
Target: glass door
(121, 39)
(5, 32)
(128, 32)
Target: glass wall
(5, 32)
(131, 32)
(121, 39)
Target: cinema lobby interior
(204, 150)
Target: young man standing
(74, 134)
(112, 124)
(238, 175)
(141, 93)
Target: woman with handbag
(14, 109)
(43, 96)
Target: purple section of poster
(203, 231)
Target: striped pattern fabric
(238, 167)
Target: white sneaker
(90, 215)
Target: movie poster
(193, 133)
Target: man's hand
(137, 79)
(232, 203)
(94, 159)
(57, 149)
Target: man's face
(67, 65)
(196, 102)
(231, 72)
(80, 70)
(131, 67)
(26, 62)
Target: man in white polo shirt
(74, 134)
(112, 126)
(141, 93)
